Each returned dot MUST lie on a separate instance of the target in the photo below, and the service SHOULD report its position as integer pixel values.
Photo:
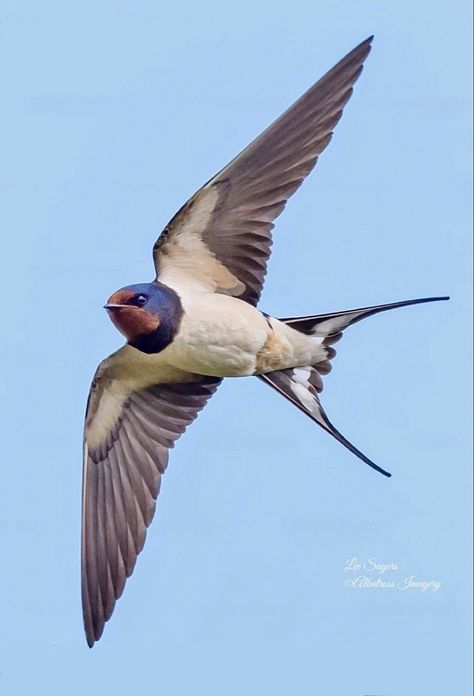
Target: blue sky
(113, 114)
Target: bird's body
(219, 335)
(222, 336)
(197, 323)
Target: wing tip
(93, 630)
(366, 44)
(94, 634)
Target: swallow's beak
(111, 306)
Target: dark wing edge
(121, 481)
(228, 222)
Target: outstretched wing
(221, 238)
(130, 426)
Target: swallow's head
(147, 314)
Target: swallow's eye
(140, 300)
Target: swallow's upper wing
(221, 238)
(131, 422)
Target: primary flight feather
(197, 323)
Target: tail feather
(302, 385)
(330, 326)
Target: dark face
(148, 315)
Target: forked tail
(302, 385)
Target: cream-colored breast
(219, 335)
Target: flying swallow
(197, 323)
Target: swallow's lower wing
(130, 426)
(221, 238)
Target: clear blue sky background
(113, 113)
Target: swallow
(198, 322)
